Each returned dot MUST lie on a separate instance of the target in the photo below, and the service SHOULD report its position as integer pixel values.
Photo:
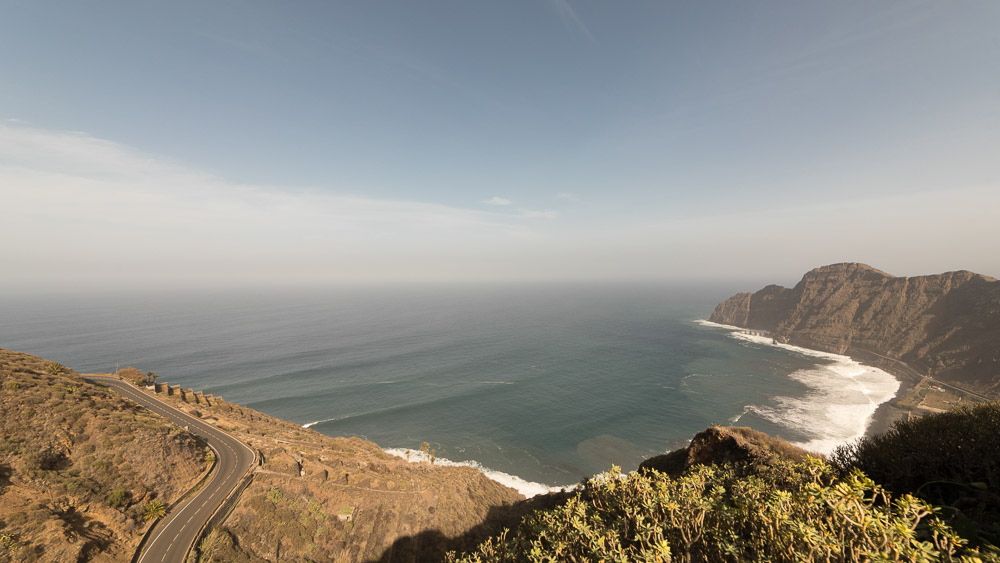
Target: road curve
(173, 535)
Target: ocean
(538, 386)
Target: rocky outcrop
(945, 325)
(726, 444)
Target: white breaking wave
(527, 488)
(315, 422)
(843, 395)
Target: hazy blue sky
(225, 142)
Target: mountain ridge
(945, 326)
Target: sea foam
(315, 422)
(527, 488)
(842, 397)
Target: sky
(262, 143)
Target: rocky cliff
(945, 325)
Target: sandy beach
(889, 412)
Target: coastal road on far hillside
(173, 535)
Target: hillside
(946, 326)
(78, 464)
(321, 498)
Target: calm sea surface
(538, 385)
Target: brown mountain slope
(945, 325)
(78, 464)
(321, 498)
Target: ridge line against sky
(254, 143)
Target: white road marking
(216, 481)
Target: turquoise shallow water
(549, 384)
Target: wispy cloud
(570, 17)
(497, 201)
(80, 211)
(567, 196)
(104, 212)
(534, 214)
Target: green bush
(118, 498)
(41, 459)
(274, 495)
(950, 459)
(219, 546)
(716, 513)
(9, 543)
(961, 445)
(154, 509)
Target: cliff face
(946, 325)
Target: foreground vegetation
(949, 459)
(939, 503)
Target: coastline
(527, 489)
(892, 410)
(886, 411)
(889, 412)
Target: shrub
(220, 546)
(43, 459)
(132, 375)
(153, 509)
(960, 445)
(274, 495)
(9, 543)
(118, 498)
(713, 514)
(949, 459)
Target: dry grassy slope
(947, 325)
(65, 446)
(297, 505)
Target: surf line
(842, 398)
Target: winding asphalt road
(176, 532)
